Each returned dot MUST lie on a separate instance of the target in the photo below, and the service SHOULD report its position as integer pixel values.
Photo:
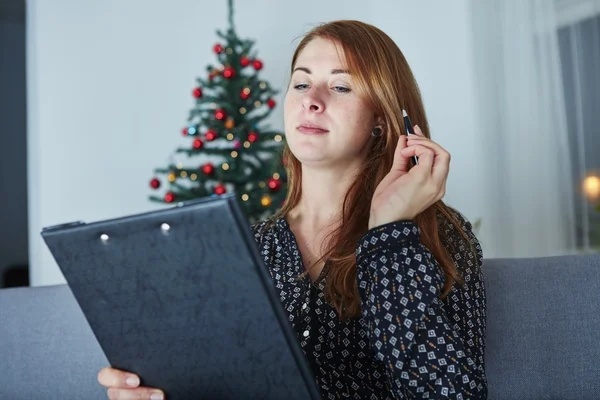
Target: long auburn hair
(385, 81)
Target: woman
(381, 281)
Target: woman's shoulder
(263, 229)
(460, 240)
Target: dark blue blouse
(408, 343)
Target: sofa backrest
(543, 329)
(47, 349)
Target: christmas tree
(231, 149)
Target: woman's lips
(309, 129)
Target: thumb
(400, 163)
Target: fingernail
(156, 396)
(132, 381)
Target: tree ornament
(197, 92)
(257, 64)
(208, 169)
(218, 48)
(169, 197)
(155, 183)
(220, 189)
(244, 61)
(197, 144)
(266, 200)
(274, 184)
(220, 114)
(210, 135)
(228, 72)
(271, 103)
(245, 93)
(229, 123)
(252, 137)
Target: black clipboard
(182, 297)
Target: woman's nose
(313, 103)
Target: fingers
(400, 163)
(441, 165)
(135, 394)
(425, 154)
(418, 131)
(112, 377)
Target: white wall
(109, 89)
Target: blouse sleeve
(400, 284)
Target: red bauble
(257, 64)
(217, 48)
(208, 168)
(244, 95)
(210, 135)
(228, 72)
(220, 114)
(197, 92)
(274, 184)
(198, 144)
(271, 103)
(245, 61)
(184, 131)
(154, 183)
(170, 197)
(252, 137)
(220, 189)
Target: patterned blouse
(408, 343)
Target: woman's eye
(341, 89)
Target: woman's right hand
(124, 385)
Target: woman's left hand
(404, 193)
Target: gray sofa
(543, 335)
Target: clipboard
(181, 297)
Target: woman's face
(326, 122)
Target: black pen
(409, 131)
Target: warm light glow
(183, 174)
(278, 138)
(225, 166)
(179, 165)
(275, 175)
(230, 136)
(193, 177)
(234, 154)
(265, 201)
(591, 187)
(257, 103)
(245, 197)
(242, 110)
(247, 144)
(172, 177)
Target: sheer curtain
(579, 42)
(522, 118)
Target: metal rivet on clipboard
(104, 237)
(165, 227)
